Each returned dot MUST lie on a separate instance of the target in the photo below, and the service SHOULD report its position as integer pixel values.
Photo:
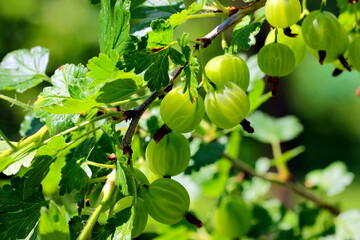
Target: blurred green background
(326, 106)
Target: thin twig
(139, 111)
(232, 20)
(16, 102)
(295, 187)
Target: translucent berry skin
(276, 60)
(140, 217)
(354, 53)
(321, 30)
(167, 201)
(170, 156)
(227, 107)
(333, 54)
(296, 44)
(233, 218)
(228, 68)
(179, 113)
(282, 13)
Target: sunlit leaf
(333, 179)
(269, 129)
(23, 69)
(53, 224)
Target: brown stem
(139, 111)
(230, 21)
(161, 132)
(193, 220)
(295, 187)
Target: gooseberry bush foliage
(144, 141)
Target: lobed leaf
(53, 224)
(115, 27)
(180, 17)
(207, 154)
(103, 69)
(243, 36)
(23, 69)
(57, 123)
(19, 214)
(269, 129)
(69, 93)
(332, 180)
(146, 14)
(73, 174)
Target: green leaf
(180, 17)
(121, 179)
(176, 57)
(154, 59)
(160, 36)
(23, 69)
(146, 14)
(243, 36)
(348, 225)
(256, 96)
(191, 70)
(76, 224)
(30, 125)
(115, 27)
(39, 169)
(207, 154)
(117, 90)
(122, 223)
(53, 224)
(332, 180)
(52, 147)
(103, 69)
(270, 130)
(262, 222)
(100, 232)
(73, 174)
(57, 123)
(69, 92)
(307, 215)
(288, 155)
(344, 5)
(17, 160)
(255, 189)
(19, 215)
(157, 74)
(5, 146)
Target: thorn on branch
(161, 132)
(247, 126)
(287, 32)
